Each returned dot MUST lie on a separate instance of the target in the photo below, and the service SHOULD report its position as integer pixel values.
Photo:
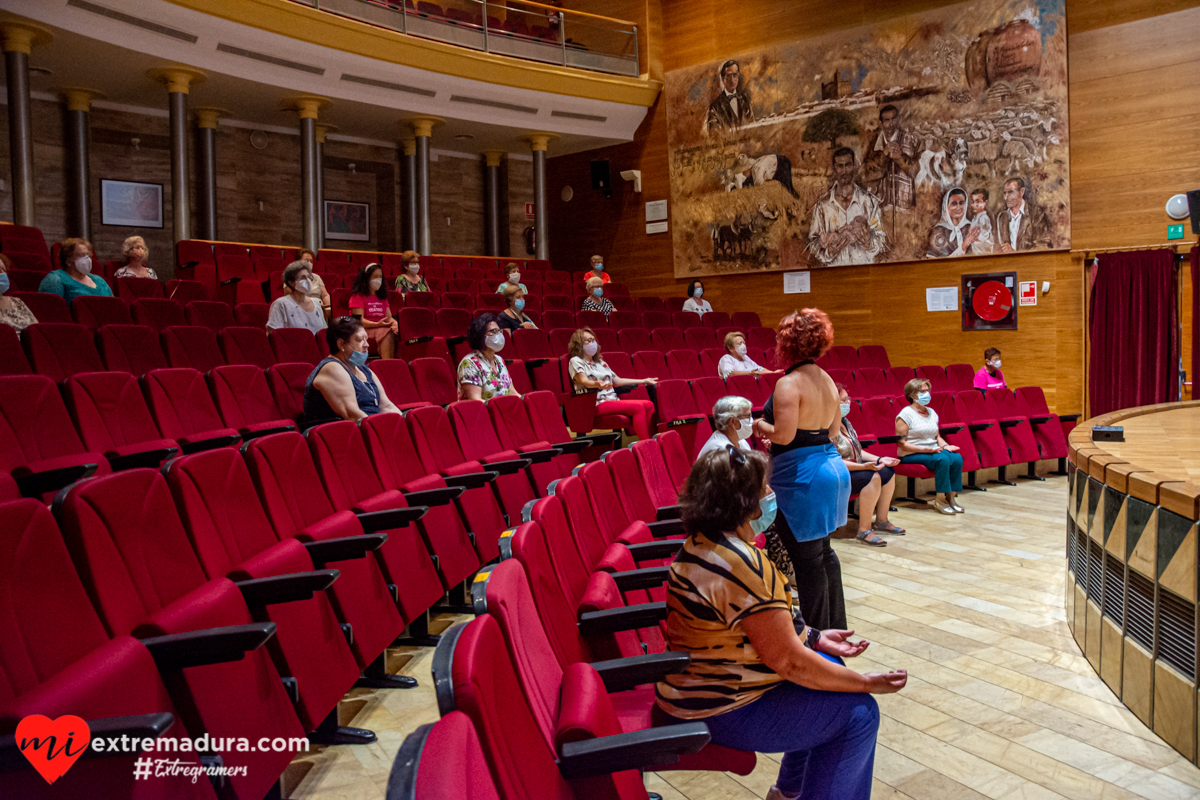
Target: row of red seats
(995, 428)
(205, 252)
(387, 505)
(557, 668)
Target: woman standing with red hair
(811, 483)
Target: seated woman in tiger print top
(759, 677)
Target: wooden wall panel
(1134, 91)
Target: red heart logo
(53, 745)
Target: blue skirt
(812, 489)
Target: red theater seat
(12, 357)
(158, 314)
(45, 307)
(184, 411)
(130, 348)
(252, 315)
(59, 351)
(191, 346)
(95, 311)
(287, 387)
(245, 402)
(185, 291)
(292, 345)
(242, 345)
(210, 314)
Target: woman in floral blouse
(482, 374)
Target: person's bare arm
(471, 391)
(782, 650)
(386, 406)
(334, 385)
(787, 413)
(903, 447)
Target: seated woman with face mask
(74, 277)
(921, 443)
(732, 423)
(296, 309)
(694, 303)
(759, 676)
(482, 374)
(989, 375)
(342, 386)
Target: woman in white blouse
(694, 303)
(296, 309)
(921, 443)
(735, 361)
(732, 424)
(588, 371)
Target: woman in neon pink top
(369, 304)
(990, 376)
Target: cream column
(17, 39)
(206, 144)
(308, 106)
(491, 202)
(538, 143)
(79, 202)
(179, 81)
(422, 128)
(410, 194)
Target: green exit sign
(1174, 232)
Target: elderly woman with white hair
(135, 251)
(732, 425)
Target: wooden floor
(1000, 703)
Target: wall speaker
(601, 178)
(1193, 204)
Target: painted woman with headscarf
(953, 234)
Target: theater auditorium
(581, 400)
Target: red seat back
(665, 340)
(181, 404)
(59, 351)
(158, 314)
(287, 387)
(242, 396)
(34, 424)
(435, 381)
(130, 289)
(292, 345)
(12, 357)
(109, 410)
(94, 311)
(252, 315)
(209, 314)
(130, 348)
(192, 347)
(243, 345)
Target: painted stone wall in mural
(936, 135)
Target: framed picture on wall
(347, 222)
(989, 301)
(131, 205)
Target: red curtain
(1134, 331)
(1195, 367)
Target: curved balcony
(515, 28)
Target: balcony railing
(516, 28)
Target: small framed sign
(131, 205)
(347, 222)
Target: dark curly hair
(341, 328)
(692, 287)
(803, 335)
(477, 330)
(722, 491)
(362, 281)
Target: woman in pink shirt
(369, 304)
(990, 376)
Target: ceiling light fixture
(464, 137)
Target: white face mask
(414, 268)
(514, 278)
(495, 342)
(304, 285)
(745, 428)
(590, 349)
(376, 283)
(84, 264)
(740, 350)
(996, 364)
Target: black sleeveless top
(802, 438)
(317, 408)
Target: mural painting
(935, 135)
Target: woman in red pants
(588, 371)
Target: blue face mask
(768, 508)
(519, 305)
(358, 359)
(845, 409)
(598, 291)
(4, 284)
(698, 292)
(924, 397)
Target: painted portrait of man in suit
(1021, 225)
(730, 109)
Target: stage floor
(1166, 442)
(1000, 703)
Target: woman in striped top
(759, 677)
